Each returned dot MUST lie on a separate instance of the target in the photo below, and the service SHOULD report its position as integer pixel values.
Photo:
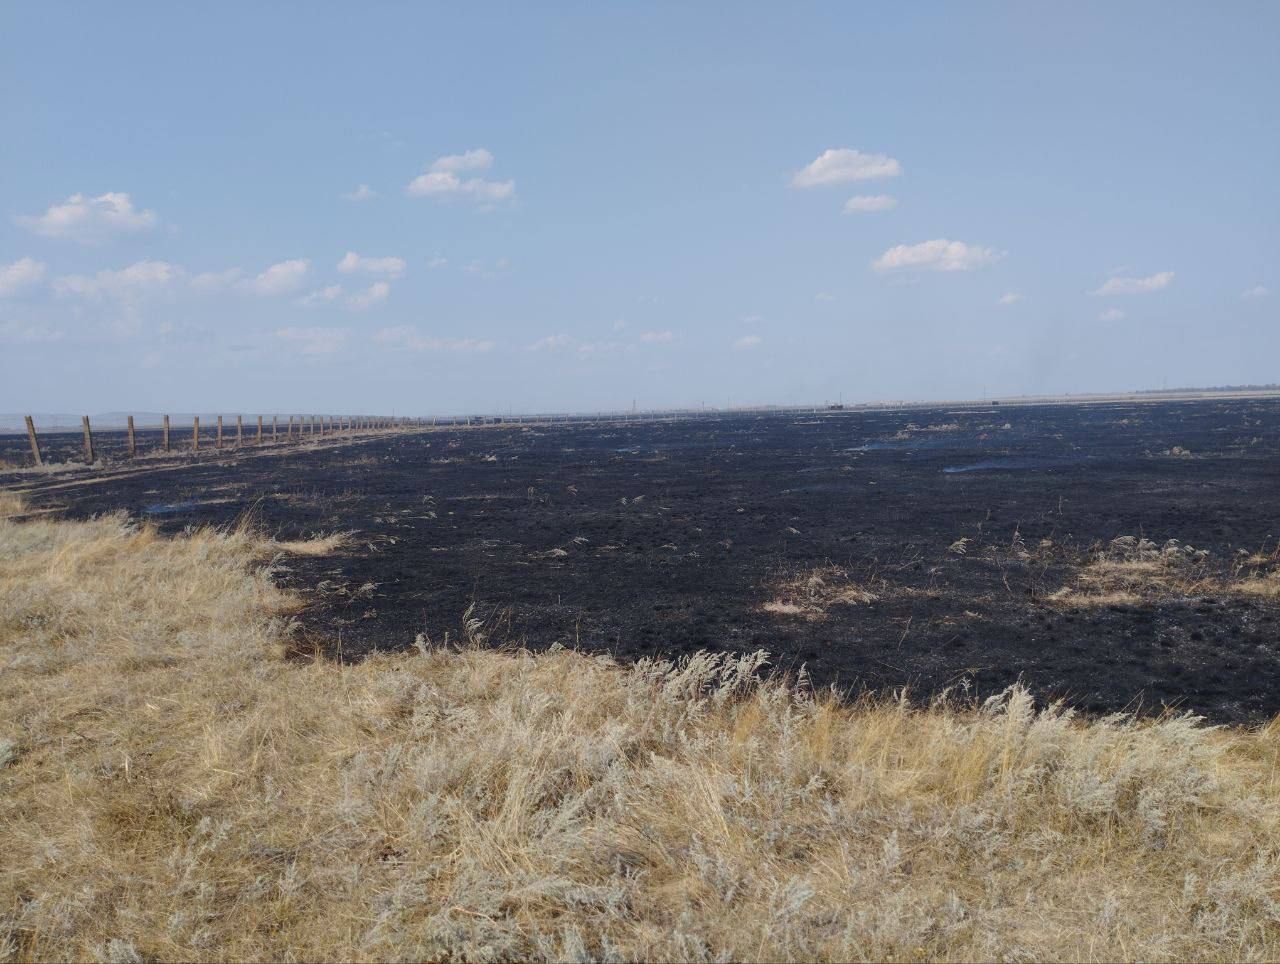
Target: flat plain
(1121, 556)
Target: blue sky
(575, 206)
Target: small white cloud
(1009, 298)
(474, 160)
(361, 193)
(1111, 314)
(315, 341)
(20, 274)
(619, 324)
(207, 281)
(1136, 286)
(322, 296)
(437, 262)
(282, 278)
(136, 279)
(936, 255)
(657, 337)
(840, 165)
(551, 343)
(1254, 293)
(390, 267)
(90, 219)
(863, 203)
(824, 296)
(16, 331)
(408, 336)
(442, 179)
(747, 343)
(375, 294)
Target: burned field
(1117, 555)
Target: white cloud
(375, 294)
(321, 296)
(136, 279)
(657, 337)
(474, 160)
(437, 262)
(442, 179)
(936, 255)
(408, 336)
(216, 280)
(16, 331)
(1009, 298)
(88, 219)
(20, 274)
(361, 193)
(824, 296)
(840, 165)
(861, 203)
(1136, 286)
(282, 278)
(747, 342)
(315, 341)
(1257, 291)
(1111, 314)
(551, 343)
(619, 324)
(352, 262)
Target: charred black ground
(669, 537)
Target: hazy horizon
(289, 208)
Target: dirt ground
(924, 548)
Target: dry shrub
(1130, 570)
(810, 594)
(173, 789)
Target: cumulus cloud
(863, 203)
(282, 278)
(408, 336)
(1257, 291)
(362, 193)
(352, 263)
(936, 255)
(315, 341)
(747, 342)
(551, 343)
(207, 281)
(375, 294)
(137, 279)
(90, 219)
(20, 274)
(1111, 314)
(1136, 286)
(17, 331)
(441, 180)
(321, 296)
(1009, 298)
(843, 164)
(657, 337)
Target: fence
(167, 435)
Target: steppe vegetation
(176, 781)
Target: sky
(425, 209)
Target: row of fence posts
(308, 426)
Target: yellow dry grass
(171, 788)
(809, 595)
(315, 546)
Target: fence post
(195, 434)
(288, 429)
(274, 428)
(166, 433)
(133, 448)
(217, 439)
(259, 429)
(35, 446)
(239, 430)
(88, 439)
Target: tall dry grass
(171, 787)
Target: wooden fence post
(239, 430)
(35, 446)
(275, 430)
(288, 429)
(259, 429)
(166, 433)
(217, 439)
(88, 439)
(133, 447)
(195, 434)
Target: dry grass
(170, 787)
(809, 595)
(315, 546)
